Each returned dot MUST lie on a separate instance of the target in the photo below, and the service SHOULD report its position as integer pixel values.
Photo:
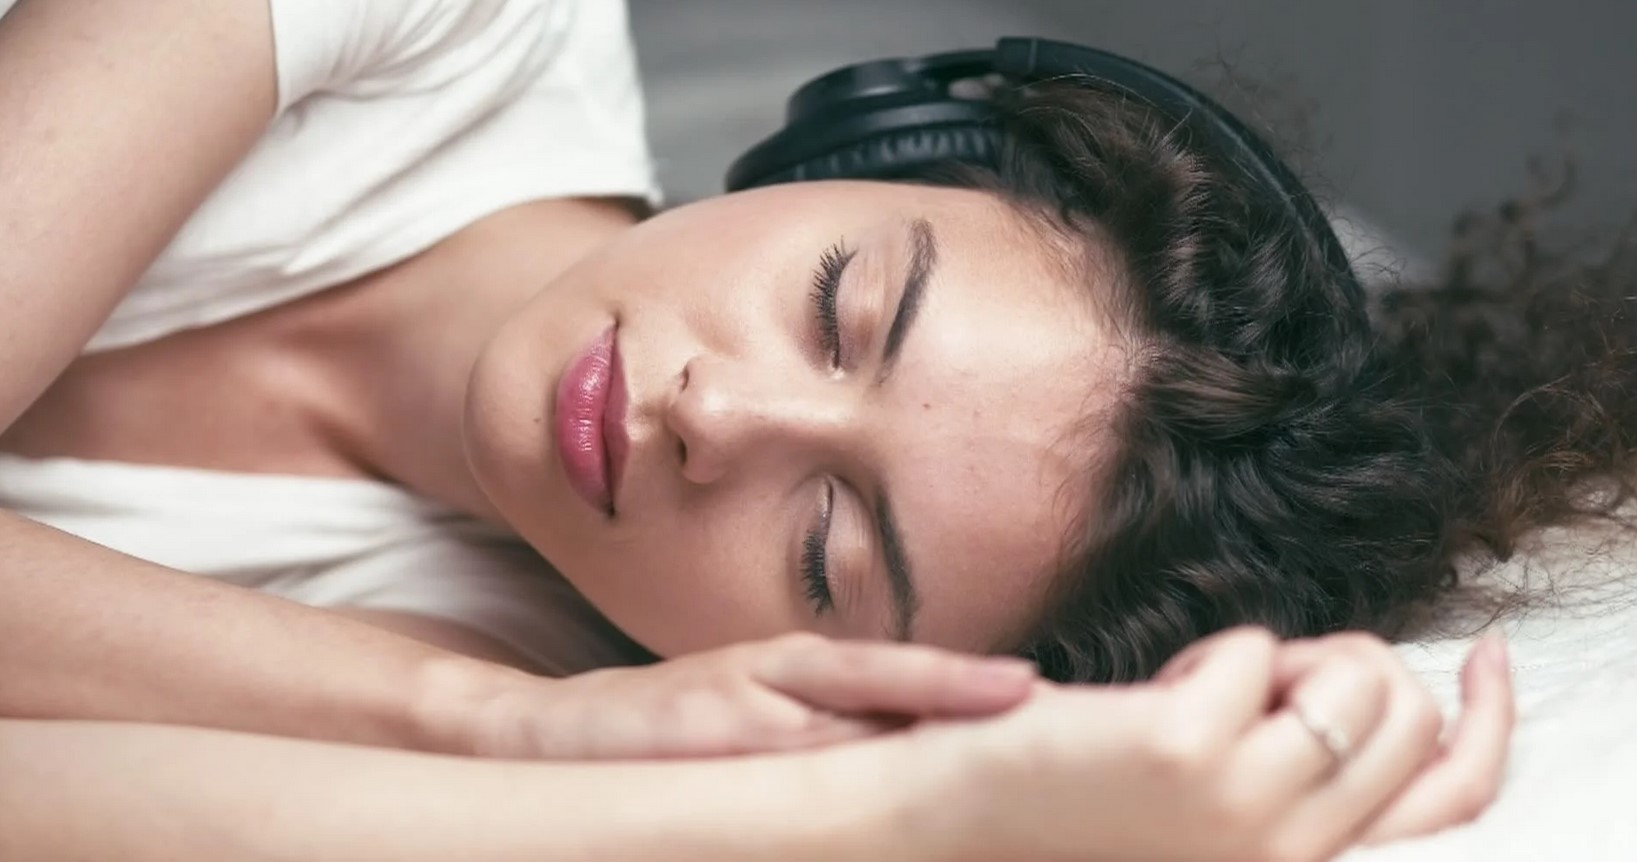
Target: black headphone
(893, 119)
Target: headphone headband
(880, 78)
(890, 119)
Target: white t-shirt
(399, 123)
(332, 543)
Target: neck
(402, 345)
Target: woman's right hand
(791, 692)
(1215, 760)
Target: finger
(1457, 785)
(820, 730)
(1338, 809)
(1298, 658)
(864, 677)
(768, 721)
(1183, 663)
(1228, 679)
(1286, 754)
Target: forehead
(999, 390)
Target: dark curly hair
(1279, 458)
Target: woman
(427, 270)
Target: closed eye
(826, 290)
(815, 568)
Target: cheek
(720, 284)
(706, 578)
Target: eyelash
(826, 286)
(815, 569)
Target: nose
(734, 414)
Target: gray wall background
(1402, 112)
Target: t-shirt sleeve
(587, 110)
(558, 79)
(323, 45)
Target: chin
(502, 433)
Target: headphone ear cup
(906, 154)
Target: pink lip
(590, 422)
(616, 441)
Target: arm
(133, 792)
(443, 634)
(119, 117)
(88, 633)
(103, 637)
(1206, 764)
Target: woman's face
(853, 408)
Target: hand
(1212, 759)
(795, 691)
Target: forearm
(134, 793)
(86, 633)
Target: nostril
(682, 451)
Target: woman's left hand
(1242, 748)
(790, 692)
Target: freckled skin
(970, 434)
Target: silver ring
(1334, 739)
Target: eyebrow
(923, 259)
(906, 601)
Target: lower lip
(589, 389)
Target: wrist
(892, 798)
(460, 706)
(855, 801)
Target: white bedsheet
(1571, 790)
